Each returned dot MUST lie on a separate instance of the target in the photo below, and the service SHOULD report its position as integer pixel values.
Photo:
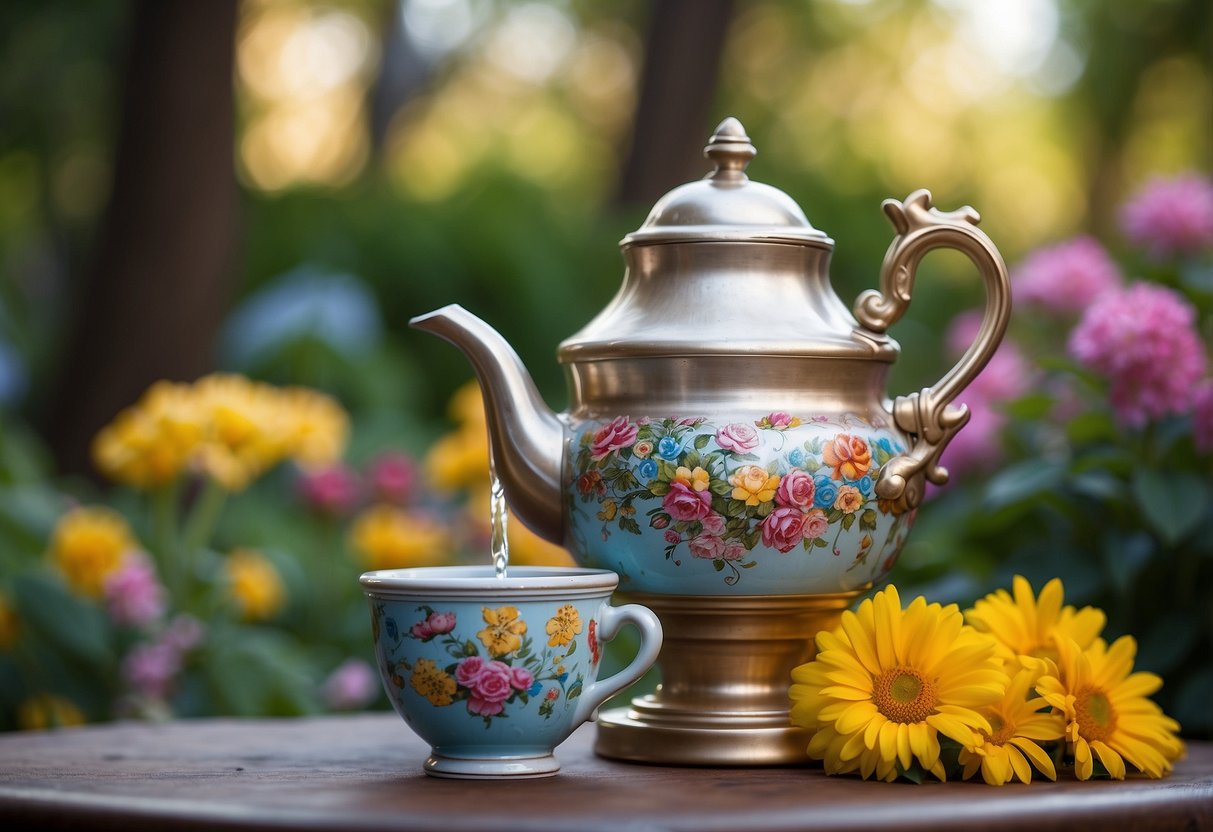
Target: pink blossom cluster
(336, 490)
(1065, 278)
(352, 685)
(616, 434)
(1007, 376)
(435, 624)
(133, 595)
(1170, 217)
(491, 683)
(1143, 340)
(151, 668)
(794, 518)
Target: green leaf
(720, 488)
(659, 488)
(1092, 426)
(867, 520)
(1031, 407)
(469, 648)
(78, 628)
(628, 524)
(736, 508)
(834, 515)
(692, 460)
(811, 465)
(820, 542)
(1024, 481)
(718, 565)
(1172, 504)
(702, 440)
(764, 509)
(848, 521)
(572, 649)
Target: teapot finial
(731, 149)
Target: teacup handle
(611, 619)
(929, 415)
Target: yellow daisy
(1027, 627)
(1003, 754)
(1107, 712)
(887, 682)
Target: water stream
(498, 543)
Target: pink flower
(620, 433)
(660, 521)
(133, 595)
(713, 524)
(1064, 278)
(732, 551)
(483, 707)
(779, 420)
(332, 490)
(149, 669)
(1202, 416)
(1171, 216)
(816, 524)
(706, 546)
(783, 528)
(352, 685)
(1143, 339)
(552, 695)
(1008, 375)
(976, 447)
(796, 490)
(685, 503)
(422, 630)
(469, 670)
(393, 477)
(184, 633)
(738, 437)
(494, 682)
(521, 678)
(672, 536)
(441, 623)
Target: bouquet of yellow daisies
(1017, 683)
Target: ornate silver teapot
(729, 449)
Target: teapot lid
(726, 205)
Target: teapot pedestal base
(726, 666)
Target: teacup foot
(517, 768)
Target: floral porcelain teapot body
(729, 431)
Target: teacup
(494, 673)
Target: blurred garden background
(249, 200)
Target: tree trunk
(155, 289)
(673, 119)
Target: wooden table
(364, 773)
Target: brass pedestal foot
(726, 665)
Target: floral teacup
(495, 673)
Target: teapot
(729, 444)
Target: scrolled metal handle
(929, 415)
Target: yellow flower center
(904, 695)
(1001, 731)
(1094, 714)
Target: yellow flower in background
(1107, 712)
(887, 682)
(87, 545)
(432, 682)
(504, 631)
(316, 426)
(526, 547)
(245, 429)
(44, 711)
(253, 584)
(152, 442)
(563, 626)
(387, 537)
(10, 625)
(753, 484)
(467, 406)
(1003, 753)
(458, 460)
(1027, 628)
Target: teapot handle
(929, 415)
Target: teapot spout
(525, 437)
